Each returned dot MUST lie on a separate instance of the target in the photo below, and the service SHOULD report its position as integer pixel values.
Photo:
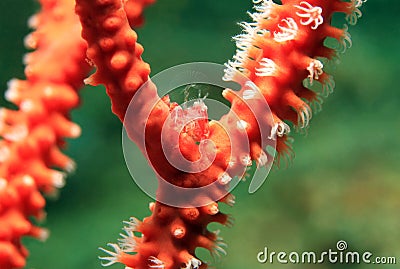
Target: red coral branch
(283, 53)
(33, 135)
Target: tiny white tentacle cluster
(250, 84)
(356, 14)
(304, 116)
(245, 40)
(358, 3)
(279, 130)
(230, 71)
(155, 263)
(114, 255)
(263, 8)
(225, 178)
(345, 41)
(133, 223)
(219, 248)
(267, 68)
(310, 14)
(315, 69)
(288, 32)
(249, 94)
(193, 263)
(246, 160)
(127, 241)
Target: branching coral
(280, 55)
(280, 52)
(31, 161)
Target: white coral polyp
(155, 263)
(304, 116)
(133, 223)
(356, 14)
(230, 71)
(288, 32)
(193, 263)
(358, 3)
(249, 94)
(279, 130)
(267, 68)
(310, 14)
(345, 41)
(127, 241)
(114, 256)
(315, 70)
(263, 8)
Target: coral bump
(280, 55)
(31, 161)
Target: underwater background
(343, 184)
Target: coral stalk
(32, 137)
(171, 234)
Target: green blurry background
(343, 184)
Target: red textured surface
(31, 161)
(114, 51)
